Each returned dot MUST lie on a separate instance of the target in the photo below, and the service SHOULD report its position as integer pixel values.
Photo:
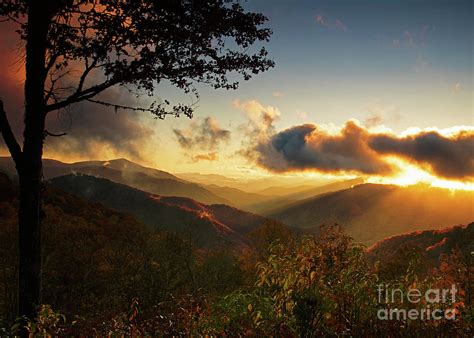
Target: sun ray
(410, 174)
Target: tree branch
(9, 137)
(82, 95)
(47, 133)
(86, 72)
(118, 106)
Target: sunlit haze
(395, 70)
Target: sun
(409, 174)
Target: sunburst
(409, 174)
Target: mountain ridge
(206, 224)
(370, 212)
(125, 172)
(430, 245)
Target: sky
(358, 88)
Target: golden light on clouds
(410, 174)
(437, 157)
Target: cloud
(259, 127)
(449, 157)
(205, 157)
(207, 136)
(260, 118)
(373, 120)
(335, 24)
(310, 147)
(379, 113)
(277, 94)
(98, 133)
(320, 19)
(354, 149)
(413, 38)
(95, 131)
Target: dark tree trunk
(29, 295)
(30, 167)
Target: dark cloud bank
(94, 131)
(355, 149)
(447, 157)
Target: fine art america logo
(413, 304)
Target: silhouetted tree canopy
(94, 45)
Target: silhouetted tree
(114, 42)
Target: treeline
(308, 286)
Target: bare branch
(9, 137)
(118, 106)
(85, 73)
(82, 95)
(51, 62)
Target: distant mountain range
(166, 184)
(207, 179)
(207, 225)
(268, 185)
(211, 213)
(129, 173)
(371, 212)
